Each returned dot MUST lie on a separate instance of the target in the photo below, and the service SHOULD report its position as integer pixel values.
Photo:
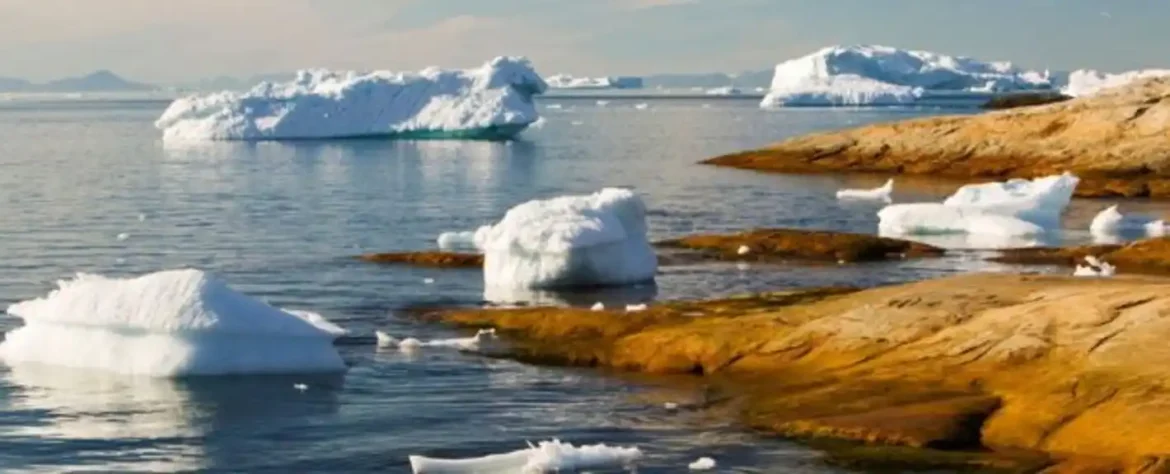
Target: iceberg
(546, 457)
(1086, 82)
(167, 324)
(1111, 222)
(566, 81)
(1011, 209)
(884, 76)
(570, 241)
(493, 101)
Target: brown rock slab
(784, 244)
(1150, 256)
(1114, 141)
(1069, 366)
(427, 259)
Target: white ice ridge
(882, 75)
(467, 344)
(877, 194)
(567, 241)
(167, 324)
(1085, 82)
(546, 457)
(492, 101)
(565, 81)
(1015, 208)
(1111, 221)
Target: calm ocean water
(282, 221)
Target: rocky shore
(994, 370)
(1114, 141)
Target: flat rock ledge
(1150, 256)
(1115, 141)
(988, 370)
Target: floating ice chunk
(300, 387)
(1085, 82)
(142, 218)
(546, 457)
(166, 324)
(932, 218)
(702, 464)
(428, 281)
(577, 123)
(465, 344)
(602, 103)
(456, 240)
(1111, 221)
(597, 239)
(881, 193)
(565, 81)
(642, 106)
(743, 250)
(881, 75)
(123, 236)
(727, 90)
(598, 306)
(492, 101)
(554, 106)
(633, 308)
(670, 406)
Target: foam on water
(166, 324)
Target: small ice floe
(122, 237)
(429, 281)
(602, 103)
(642, 106)
(1095, 268)
(633, 308)
(702, 464)
(554, 106)
(300, 387)
(577, 123)
(670, 406)
(546, 457)
(141, 217)
(743, 250)
(598, 306)
(706, 106)
(876, 194)
(1111, 221)
(464, 344)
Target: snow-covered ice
(882, 75)
(566, 81)
(545, 457)
(492, 101)
(1016, 208)
(881, 193)
(466, 344)
(702, 464)
(568, 241)
(166, 324)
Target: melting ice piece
(602, 103)
(702, 464)
(633, 308)
(670, 406)
(493, 101)
(546, 457)
(465, 344)
(123, 236)
(300, 387)
(743, 250)
(456, 240)
(569, 241)
(1095, 268)
(598, 306)
(642, 106)
(553, 106)
(876, 194)
(167, 324)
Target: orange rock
(1114, 141)
(427, 259)
(774, 244)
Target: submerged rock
(1006, 362)
(427, 259)
(1114, 141)
(808, 245)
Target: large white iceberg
(546, 457)
(1015, 208)
(1085, 82)
(493, 101)
(569, 241)
(882, 75)
(566, 81)
(167, 324)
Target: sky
(175, 41)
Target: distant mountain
(100, 81)
(743, 80)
